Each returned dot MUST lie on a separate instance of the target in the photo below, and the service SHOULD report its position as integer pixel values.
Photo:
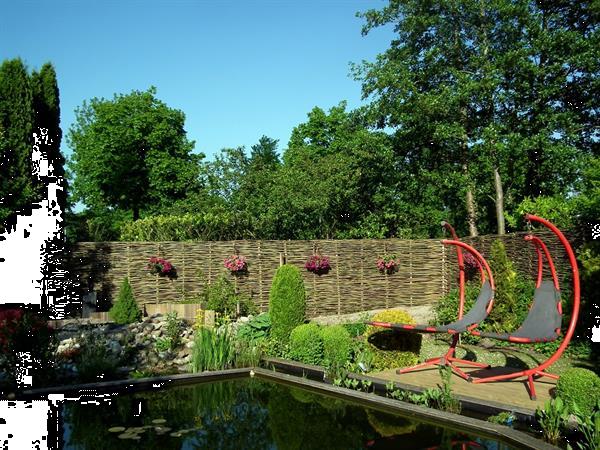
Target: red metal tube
(540, 244)
(461, 270)
(576, 289)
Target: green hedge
(306, 344)
(287, 302)
(204, 226)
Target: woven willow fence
(427, 269)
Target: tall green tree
(17, 189)
(131, 153)
(491, 97)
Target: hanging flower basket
(161, 267)
(388, 264)
(317, 264)
(236, 264)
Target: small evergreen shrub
(125, 310)
(337, 345)
(287, 302)
(581, 387)
(306, 344)
(511, 301)
(391, 349)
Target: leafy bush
(173, 330)
(391, 349)
(589, 426)
(580, 387)
(95, 360)
(221, 297)
(337, 345)
(355, 329)
(23, 330)
(287, 302)
(256, 329)
(306, 344)
(125, 310)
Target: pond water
(248, 414)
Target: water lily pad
(162, 430)
(116, 429)
(176, 434)
(126, 436)
(158, 421)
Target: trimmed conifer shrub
(125, 310)
(287, 302)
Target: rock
(189, 344)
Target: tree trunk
(499, 202)
(471, 213)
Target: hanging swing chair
(465, 323)
(543, 322)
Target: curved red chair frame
(448, 359)
(540, 370)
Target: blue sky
(237, 69)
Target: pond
(248, 414)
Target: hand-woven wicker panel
(426, 271)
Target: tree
(131, 153)
(17, 190)
(493, 90)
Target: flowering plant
(318, 264)
(26, 340)
(236, 264)
(161, 267)
(470, 264)
(387, 264)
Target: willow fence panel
(427, 269)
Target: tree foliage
(131, 153)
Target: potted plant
(162, 267)
(317, 264)
(236, 264)
(388, 264)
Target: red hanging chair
(543, 321)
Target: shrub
(221, 297)
(391, 349)
(306, 344)
(96, 361)
(355, 329)
(287, 302)
(173, 330)
(125, 310)
(337, 345)
(25, 331)
(581, 387)
(256, 329)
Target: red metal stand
(448, 359)
(540, 370)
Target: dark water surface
(248, 414)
